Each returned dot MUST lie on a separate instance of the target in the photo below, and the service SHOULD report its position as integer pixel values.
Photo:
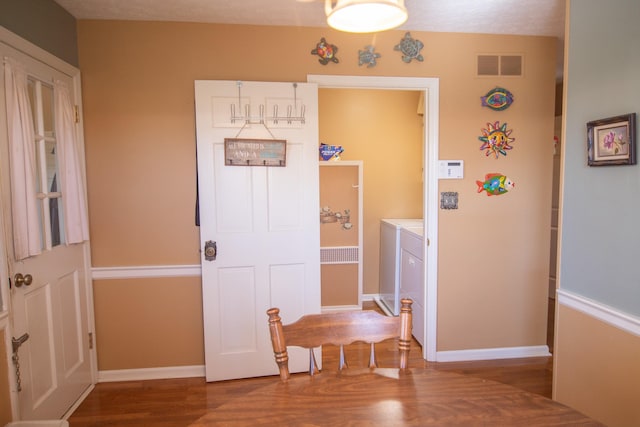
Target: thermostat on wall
(451, 169)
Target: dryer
(390, 261)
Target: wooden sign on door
(255, 152)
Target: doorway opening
(383, 130)
(430, 89)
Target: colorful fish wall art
(497, 99)
(496, 139)
(495, 184)
(326, 51)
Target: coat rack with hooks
(292, 114)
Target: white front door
(264, 221)
(51, 309)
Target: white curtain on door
(24, 208)
(73, 194)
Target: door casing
(430, 87)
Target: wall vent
(499, 65)
(339, 255)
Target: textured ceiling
(525, 17)
(520, 17)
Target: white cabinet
(412, 284)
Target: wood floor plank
(181, 402)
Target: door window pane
(47, 111)
(53, 186)
(31, 86)
(47, 186)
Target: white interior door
(54, 362)
(264, 220)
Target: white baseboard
(151, 373)
(492, 353)
(370, 297)
(335, 308)
(382, 306)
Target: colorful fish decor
(497, 99)
(368, 56)
(495, 184)
(496, 139)
(410, 48)
(326, 51)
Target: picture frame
(612, 141)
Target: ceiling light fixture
(365, 16)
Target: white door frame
(430, 87)
(24, 46)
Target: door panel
(236, 294)
(235, 214)
(285, 288)
(72, 339)
(54, 362)
(263, 219)
(285, 192)
(39, 315)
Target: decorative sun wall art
(496, 139)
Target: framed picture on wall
(612, 141)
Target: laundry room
(380, 133)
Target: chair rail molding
(145, 271)
(602, 312)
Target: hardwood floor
(179, 402)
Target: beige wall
(339, 284)
(140, 143)
(148, 323)
(597, 356)
(494, 251)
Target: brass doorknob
(20, 280)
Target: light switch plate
(449, 200)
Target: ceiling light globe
(365, 16)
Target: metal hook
(239, 84)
